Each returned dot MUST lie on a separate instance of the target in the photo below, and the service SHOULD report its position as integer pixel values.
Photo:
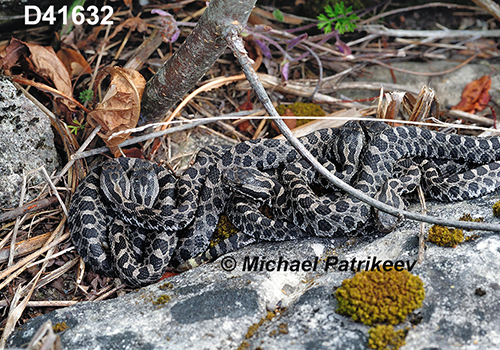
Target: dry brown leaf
(134, 23)
(10, 56)
(41, 60)
(291, 123)
(74, 62)
(121, 106)
(475, 96)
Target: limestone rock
(210, 308)
(26, 143)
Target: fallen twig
(27, 208)
(436, 34)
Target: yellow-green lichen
(384, 337)
(283, 328)
(380, 296)
(59, 327)
(253, 328)
(163, 299)
(166, 285)
(445, 237)
(496, 209)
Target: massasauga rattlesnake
(133, 218)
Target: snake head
(126, 180)
(249, 182)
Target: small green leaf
(329, 11)
(86, 95)
(278, 15)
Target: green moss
(468, 217)
(224, 229)
(59, 327)
(163, 299)
(496, 209)
(380, 297)
(302, 109)
(385, 338)
(444, 236)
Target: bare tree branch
(195, 56)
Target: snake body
(133, 218)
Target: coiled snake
(132, 218)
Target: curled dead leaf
(475, 96)
(40, 60)
(74, 62)
(120, 108)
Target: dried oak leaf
(475, 96)
(74, 62)
(41, 60)
(120, 108)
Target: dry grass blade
(13, 271)
(57, 272)
(24, 247)
(17, 309)
(490, 6)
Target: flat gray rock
(210, 308)
(26, 143)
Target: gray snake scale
(134, 219)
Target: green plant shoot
(339, 16)
(278, 15)
(75, 128)
(86, 95)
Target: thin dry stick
(45, 303)
(435, 74)
(157, 134)
(421, 235)
(105, 295)
(236, 45)
(18, 222)
(490, 6)
(80, 150)
(27, 208)
(413, 8)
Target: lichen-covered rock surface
(209, 308)
(26, 143)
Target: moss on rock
(302, 109)
(380, 297)
(445, 237)
(496, 209)
(384, 337)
